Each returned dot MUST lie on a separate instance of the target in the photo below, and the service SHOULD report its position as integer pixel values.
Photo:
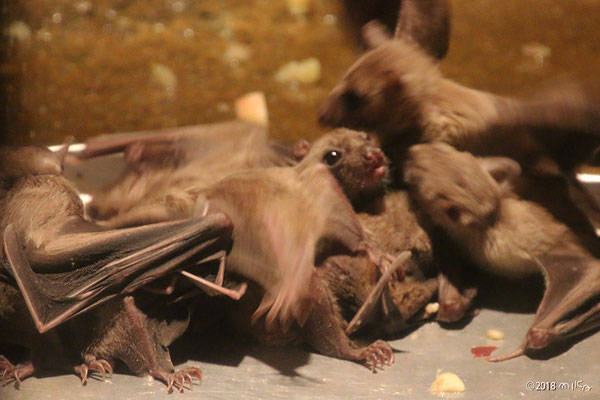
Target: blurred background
(85, 67)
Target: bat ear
(502, 169)
(301, 149)
(427, 23)
(62, 152)
(375, 34)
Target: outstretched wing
(79, 270)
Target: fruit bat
(65, 264)
(162, 163)
(391, 226)
(286, 220)
(66, 268)
(134, 329)
(397, 90)
(471, 200)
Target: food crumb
(495, 334)
(305, 71)
(252, 107)
(432, 308)
(447, 382)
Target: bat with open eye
(392, 226)
(286, 220)
(65, 265)
(472, 201)
(397, 90)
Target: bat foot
(538, 338)
(11, 373)
(379, 353)
(178, 379)
(92, 364)
(454, 310)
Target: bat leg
(373, 298)
(324, 331)
(139, 335)
(158, 287)
(116, 143)
(212, 288)
(14, 373)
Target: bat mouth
(380, 172)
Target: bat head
(459, 191)
(353, 157)
(385, 89)
(19, 161)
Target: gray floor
(236, 371)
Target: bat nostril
(373, 158)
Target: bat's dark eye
(352, 100)
(332, 156)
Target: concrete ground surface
(235, 370)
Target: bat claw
(12, 373)
(179, 378)
(82, 370)
(379, 353)
(92, 364)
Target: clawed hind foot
(11, 373)
(178, 378)
(92, 364)
(379, 353)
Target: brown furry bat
(391, 226)
(397, 90)
(472, 201)
(166, 162)
(286, 220)
(66, 266)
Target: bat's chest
(506, 255)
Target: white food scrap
(447, 382)
(432, 308)
(495, 334)
(252, 107)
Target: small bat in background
(471, 200)
(163, 162)
(66, 266)
(392, 226)
(397, 90)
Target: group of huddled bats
(308, 242)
